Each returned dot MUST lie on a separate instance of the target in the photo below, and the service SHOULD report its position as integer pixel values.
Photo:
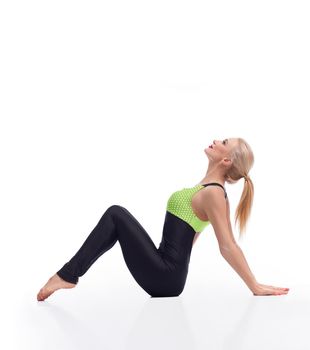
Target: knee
(115, 208)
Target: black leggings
(161, 271)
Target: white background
(113, 102)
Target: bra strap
(216, 184)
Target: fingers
(280, 292)
(277, 290)
(280, 288)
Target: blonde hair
(242, 161)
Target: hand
(263, 289)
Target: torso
(196, 206)
(197, 202)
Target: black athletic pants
(161, 271)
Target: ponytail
(244, 207)
(242, 161)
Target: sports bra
(179, 204)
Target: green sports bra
(179, 204)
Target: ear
(226, 162)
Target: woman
(162, 271)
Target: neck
(214, 174)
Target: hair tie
(245, 177)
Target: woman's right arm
(217, 210)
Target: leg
(102, 238)
(99, 240)
(116, 224)
(160, 272)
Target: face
(221, 149)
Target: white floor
(117, 316)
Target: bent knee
(118, 211)
(115, 208)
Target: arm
(217, 210)
(235, 257)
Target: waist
(190, 218)
(177, 240)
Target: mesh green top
(179, 204)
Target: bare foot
(53, 284)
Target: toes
(39, 295)
(42, 295)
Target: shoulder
(215, 193)
(213, 200)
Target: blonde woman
(162, 271)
